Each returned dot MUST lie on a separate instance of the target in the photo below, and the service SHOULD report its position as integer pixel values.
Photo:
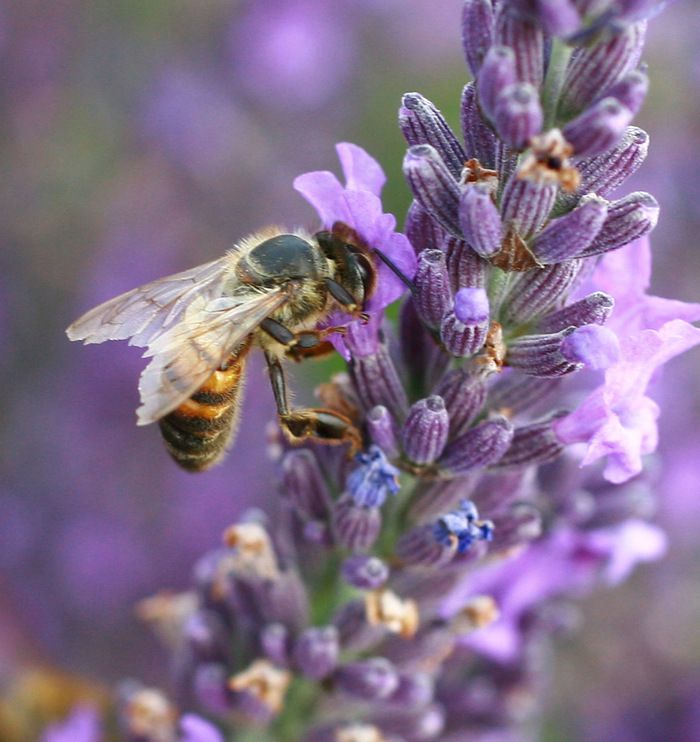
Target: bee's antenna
(395, 270)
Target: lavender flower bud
(422, 123)
(382, 430)
(365, 572)
(373, 479)
(599, 128)
(602, 174)
(318, 533)
(316, 652)
(418, 725)
(368, 680)
(464, 331)
(479, 139)
(465, 268)
(443, 495)
(527, 41)
(206, 634)
(480, 220)
(628, 219)
(426, 429)
(415, 690)
(526, 204)
(477, 32)
(377, 382)
(631, 90)
(356, 527)
(422, 357)
(569, 235)
(497, 73)
(594, 346)
(432, 296)
(460, 528)
(463, 393)
(303, 484)
(419, 548)
(519, 393)
(433, 185)
(356, 634)
(558, 17)
(533, 444)
(594, 309)
(478, 447)
(521, 523)
(210, 688)
(537, 291)
(541, 355)
(518, 115)
(275, 643)
(422, 231)
(596, 68)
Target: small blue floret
(462, 527)
(374, 479)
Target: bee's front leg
(304, 344)
(325, 426)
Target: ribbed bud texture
(419, 548)
(356, 527)
(377, 383)
(631, 90)
(521, 523)
(463, 331)
(477, 31)
(593, 70)
(316, 651)
(465, 267)
(422, 123)
(568, 236)
(533, 444)
(480, 220)
(527, 41)
(496, 74)
(426, 430)
(433, 185)
(594, 309)
(599, 128)
(518, 115)
(526, 204)
(463, 393)
(628, 219)
(541, 355)
(478, 447)
(422, 231)
(382, 430)
(539, 290)
(303, 484)
(432, 297)
(604, 173)
(479, 138)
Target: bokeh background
(140, 138)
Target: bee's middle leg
(325, 426)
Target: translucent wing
(143, 313)
(188, 353)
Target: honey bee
(271, 290)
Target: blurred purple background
(142, 138)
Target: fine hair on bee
(198, 327)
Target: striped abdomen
(200, 430)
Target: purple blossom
(82, 725)
(358, 205)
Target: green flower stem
(551, 89)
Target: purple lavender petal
(480, 220)
(599, 128)
(479, 138)
(497, 73)
(518, 115)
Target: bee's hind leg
(324, 426)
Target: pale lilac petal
(82, 725)
(390, 287)
(362, 172)
(325, 193)
(633, 542)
